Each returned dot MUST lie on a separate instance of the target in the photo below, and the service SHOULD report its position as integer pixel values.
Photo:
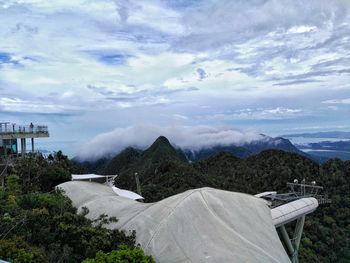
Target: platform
(10, 132)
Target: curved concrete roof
(201, 225)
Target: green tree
(123, 255)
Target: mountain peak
(162, 139)
(161, 149)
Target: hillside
(203, 154)
(146, 163)
(123, 161)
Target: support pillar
(4, 145)
(23, 147)
(297, 236)
(138, 185)
(286, 240)
(293, 245)
(32, 145)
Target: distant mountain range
(323, 145)
(161, 150)
(245, 150)
(328, 149)
(331, 134)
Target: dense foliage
(327, 231)
(122, 255)
(39, 224)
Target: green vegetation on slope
(38, 224)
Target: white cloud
(142, 136)
(19, 105)
(337, 101)
(259, 114)
(301, 29)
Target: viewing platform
(13, 131)
(10, 132)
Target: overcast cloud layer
(86, 67)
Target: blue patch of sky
(5, 58)
(201, 73)
(182, 3)
(114, 59)
(110, 57)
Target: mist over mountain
(162, 150)
(198, 142)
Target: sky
(92, 67)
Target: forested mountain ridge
(245, 150)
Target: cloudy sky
(86, 67)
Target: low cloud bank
(142, 136)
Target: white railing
(15, 129)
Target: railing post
(32, 145)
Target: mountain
(124, 160)
(268, 142)
(146, 163)
(161, 150)
(89, 166)
(246, 150)
(202, 154)
(167, 167)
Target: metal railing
(22, 129)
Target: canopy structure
(200, 225)
(108, 179)
(126, 193)
(284, 214)
(80, 177)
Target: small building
(11, 134)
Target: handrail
(20, 129)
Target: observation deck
(12, 131)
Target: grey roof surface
(200, 225)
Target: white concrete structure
(81, 177)
(201, 225)
(126, 193)
(108, 180)
(286, 213)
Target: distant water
(303, 144)
(305, 140)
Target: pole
(32, 145)
(22, 148)
(25, 146)
(138, 185)
(4, 145)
